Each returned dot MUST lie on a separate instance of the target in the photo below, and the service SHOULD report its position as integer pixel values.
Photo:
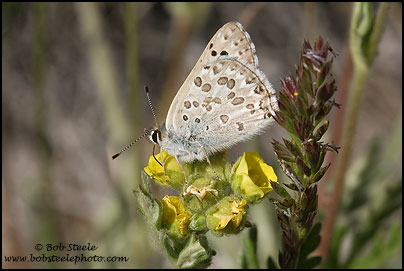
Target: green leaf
(282, 191)
(271, 263)
(293, 149)
(279, 204)
(150, 207)
(365, 178)
(333, 257)
(170, 246)
(363, 235)
(361, 26)
(196, 253)
(249, 257)
(198, 223)
(324, 72)
(382, 251)
(153, 212)
(302, 166)
(366, 31)
(310, 263)
(282, 152)
(321, 131)
(310, 243)
(307, 83)
(317, 177)
(291, 186)
(392, 202)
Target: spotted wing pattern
(225, 99)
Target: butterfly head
(155, 136)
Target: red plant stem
(351, 116)
(337, 126)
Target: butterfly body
(185, 147)
(225, 100)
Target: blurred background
(73, 95)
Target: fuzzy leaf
(150, 207)
(196, 253)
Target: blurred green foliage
(368, 218)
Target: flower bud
(176, 216)
(227, 216)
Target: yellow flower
(227, 216)
(175, 175)
(251, 177)
(235, 216)
(175, 215)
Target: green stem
(364, 37)
(359, 79)
(132, 75)
(378, 28)
(132, 64)
(102, 68)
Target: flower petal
(251, 177)
(175, 214)
(248, 187)
(175, 175)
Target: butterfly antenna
(147, 132)
(151, 106)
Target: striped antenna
(147, 132)
(151, 107)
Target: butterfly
(224, 100)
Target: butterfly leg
(210, 164)
(185, 175)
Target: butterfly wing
(230, 40)
(233, 41)
(225, 99)
(228, 102)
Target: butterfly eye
(154, 136)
